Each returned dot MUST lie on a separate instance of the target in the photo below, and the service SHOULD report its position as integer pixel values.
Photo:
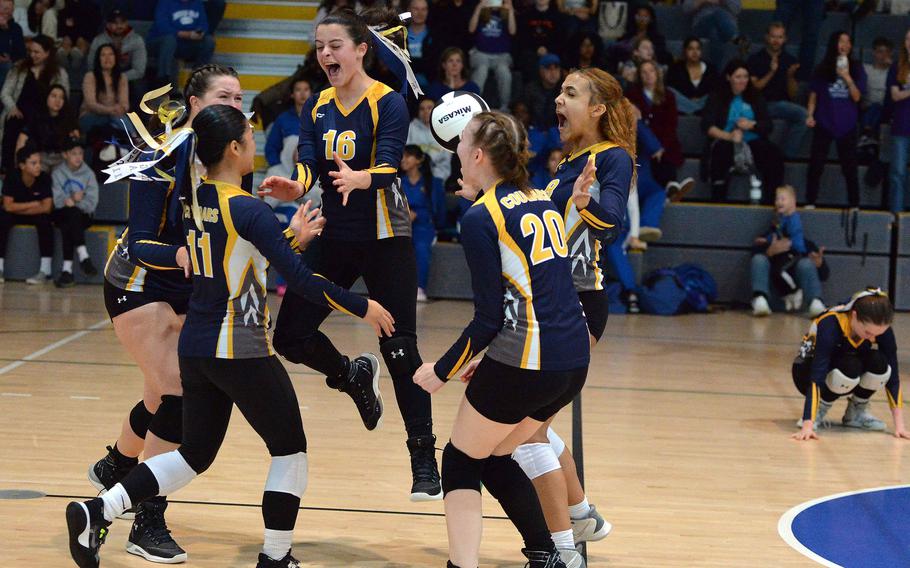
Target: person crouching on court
(226, 355)
(850, 350)
(526, 310)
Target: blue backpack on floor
(683, 289)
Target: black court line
(301, 508)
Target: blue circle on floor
(859, 529)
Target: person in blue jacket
(180, 31)
(288, 123)
(427, 203)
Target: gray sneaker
(820, 421)
(857, 416)
(571, 558)
(39, 278)
(590, 529)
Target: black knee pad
(459, 470)
(401, 356)
(849, 364)
(167, 423)
(140, 418)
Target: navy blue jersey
(600, 223)
(829, 337)
(228, 317)
(525, 304)
(369, 136)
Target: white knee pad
(556, 442)
(536, 459)
(874, 381)
(288, 474)
(171, 472)
(840, 383)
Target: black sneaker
(108, 471)
(87, 531)
(65, 280)
(363, 386)
(424, 470)
(150, 537)
(287, 562)
(88, 268)
(543, 558)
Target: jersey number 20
(204, 242)
(552, 225)
(343, 144)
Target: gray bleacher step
(278, 29)
(260, 64)
(23, 259)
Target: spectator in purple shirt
(898, 89)
(836, 88)
(493, 28)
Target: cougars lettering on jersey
(600, 223)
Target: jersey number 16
(552, 225)
(343, 144)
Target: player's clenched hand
(381, 320)
(281, 188)
(347, 180)
(426, 378)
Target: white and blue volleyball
(452, 114)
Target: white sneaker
(650, 234)
(792, 302)
(571, 558)
(421, 295)
(760, 307)
(816, 308)
(39, 278)
(590, 529)
(857, 416)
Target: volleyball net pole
(578, 453)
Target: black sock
(504, 479)
(140, 484)
(121, 460)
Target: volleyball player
(226, 356)
(526, 310)
(850, 351)
(146, 292)
(352, 137)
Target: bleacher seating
(23, 259)
(901, 287)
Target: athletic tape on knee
(140, 418)
(536, 459)
(874, 381)
(839, 383)
(556, 442)
(459, 470)
(288, 474)
(167, 423)
(401, 356)
(171, 472)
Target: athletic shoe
(106, 473)
(65, 280)
(87, 531)
(816, 308)
(794, 301)
(857, 416)
(363, 386)
(677, 190)
(88, 268)
(820, 421)
(590, 529)
(571, 558)
(424, 471)
(421, 295)
(760, 307)
(632, 305)
(150, 538)
(650, 234)
(39, 278)
(287, 562)
(543, 558)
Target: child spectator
(452, 75)
(874, 101)
(180, 31)
(716, 21)
(75, 191)
(786, 225)
(28, 200)
(426, 202)
(12, 43)
(899, 92)
(419, 134)
(539, 33)
(105, 93)
(130, 47)
(39, 18)
(836, 88)
(493, 29)
(691, 79)
(285, 131)
(49, 129)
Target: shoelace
(423, 464)
(155, 527)
(363, 392)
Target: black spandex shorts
(596, 305)
(508, 395)
(119, 301)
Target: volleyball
(451, 114)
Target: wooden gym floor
(687, 423)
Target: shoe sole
(78, 523)
(859, 426)
(375, 361)
(129, 514)
(424, 497)
(139, 551)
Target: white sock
(68, 266)
(580, 511)
(563, 539)
(81, 253)
(116, 501)
(46, 264)
(278, 543)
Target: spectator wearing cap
(75, 192)
(131, 50)
(12, 43)
(180, 31)
(539, 33)
(453, 75)
(542, 91)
